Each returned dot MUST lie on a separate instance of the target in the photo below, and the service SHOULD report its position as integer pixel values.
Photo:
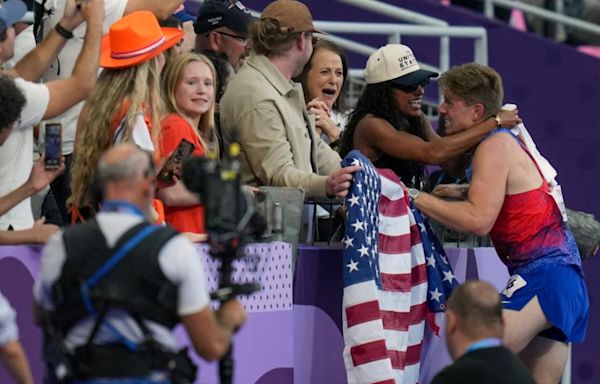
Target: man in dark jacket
(474, 329)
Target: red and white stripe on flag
(384, 327)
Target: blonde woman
(188, 90)
(125, 104)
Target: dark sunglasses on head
(411, 88)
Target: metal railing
(394, 32)
(394, 36)
(478, 34)
(542, 13)
(395, 12)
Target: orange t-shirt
(173, 129)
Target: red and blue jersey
(529, 229)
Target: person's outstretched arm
(65, 93)
(378, 134)
(33, 66)
(39, 178)
(211, 332)
(38, 234)
(477, 214)
(14, 359)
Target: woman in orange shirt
(188, 91)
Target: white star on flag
(364, 251)
(435, 294)
(431, 261)
(358, 225)
(349, 242)
(353, 266)
(353, 200)
(448, 276)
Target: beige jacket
(266, 114)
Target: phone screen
(52, 145)
(174, 163)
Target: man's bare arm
(14, 359)
(33, 66)
(38, 234)
(478, 213)
(38, 180)
(65, 93)
(211, 332)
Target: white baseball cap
(395, 63)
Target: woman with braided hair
(125, 104)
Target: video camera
(231, 221)
(230, 217)
(229, 211)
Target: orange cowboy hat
(135, 39)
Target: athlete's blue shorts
(562, 294)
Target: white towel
(548, 172)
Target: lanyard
(484, 343)
(121, 206)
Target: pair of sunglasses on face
(412, 88)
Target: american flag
(395, 274)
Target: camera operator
(118, 325)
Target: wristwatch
(413, 194)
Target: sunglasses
(241, 39)
(411, 88)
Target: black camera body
(229, 212)
(230, 220)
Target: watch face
(413, 193)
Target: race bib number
(515, 283)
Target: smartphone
(52, 145)
(172, 166)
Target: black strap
(39, 11)
(143, 288)
(141, 234)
